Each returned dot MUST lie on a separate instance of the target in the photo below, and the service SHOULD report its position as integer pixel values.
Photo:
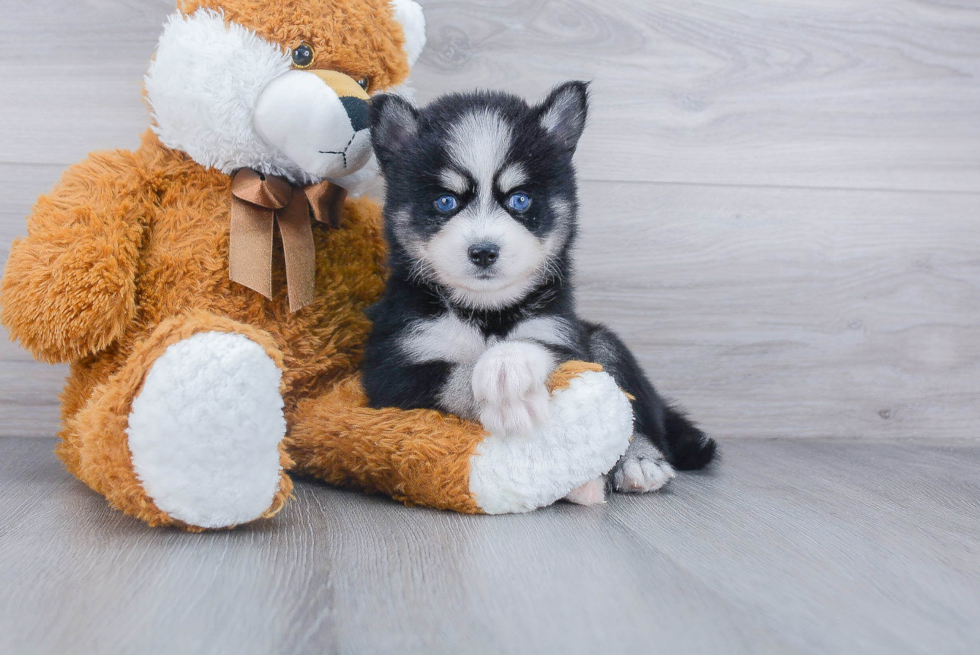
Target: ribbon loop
(258, 203)
(265, 191)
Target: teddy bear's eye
(303, 56)
(364, 82)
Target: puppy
(480, 216)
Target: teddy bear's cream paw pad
(643, 468)
(204, 431)
(588, 431)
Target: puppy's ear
(394, 123)
(564, 112)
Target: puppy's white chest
(451, 339)
(445, 339)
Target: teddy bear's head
(280, 86)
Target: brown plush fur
(130, 244)
(359, 38)
(420, 457)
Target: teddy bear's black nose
(358, 111)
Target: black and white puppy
(480, 216)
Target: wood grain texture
(830, 93)
(841, 93)
(799, 546)
(780, 199)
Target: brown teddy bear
(207, 289)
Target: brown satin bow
(258, 202)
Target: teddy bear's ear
(409, 14)
(394, 123)
(564, 112)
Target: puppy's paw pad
(641, 474)
(590, 493)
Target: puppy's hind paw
(642, 469)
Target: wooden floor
(790, 546)
(781, 214)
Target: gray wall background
(781, 200)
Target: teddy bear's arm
(68, 289)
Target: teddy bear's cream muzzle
(318, 119)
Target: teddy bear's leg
(428, 458)
(188, 432)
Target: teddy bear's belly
(188, 270)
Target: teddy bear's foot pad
(589, 429)
(204, 431)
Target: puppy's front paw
(509, 387)
(642, 469)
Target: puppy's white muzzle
(319, 119)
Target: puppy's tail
(690, 448)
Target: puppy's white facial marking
(558, 237)
(562, 208)
(445, 339)
(454, 181)
(508, 280)
(511, 177)
(509, 387)
(643, 468)
(549, 330)
(478, 143)
(405, 234)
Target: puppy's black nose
(484, 254)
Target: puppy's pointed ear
(564, 112)
(394, 123)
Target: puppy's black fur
(438, 308)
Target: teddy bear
(208, 290)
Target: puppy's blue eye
(519, 202)
(446, 203)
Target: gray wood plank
(838, 93)
(844, 542)
(789, 546)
